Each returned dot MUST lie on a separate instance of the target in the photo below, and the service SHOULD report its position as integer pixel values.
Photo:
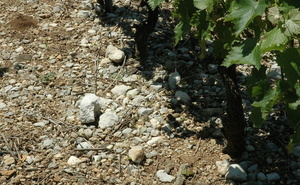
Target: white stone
(154, 122)
(84, 145)
(138, 100)
(41, 123)
(19, 49)
(164, 177)
(92, 31)
(108, 119)
(83, 14)
(296, 151)
(237, 173)
(132, 93)
(2, 105)
(222, 166)
(104, 102)
(136, 154)
(120, 90)
(73, 160)
(115, 54)
(174, 80)
(89, 108)
(182, 97)
(96, 158)
(155, 140)
(156, 87)
(30, 159)
(47, 143)
(105, 61)
(84, 42)
(271, 177)
(8, 160)
(144, 111)
(127, 131)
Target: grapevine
(242, 32)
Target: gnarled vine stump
(234, 124)
(143, 31)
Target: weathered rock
(84, 14)
(115, 54)
(73, 160)
(2, 105)
(261, 176)
(273, 177)
(250, 148)
(132, 93)
(120, 90)
(237, 173)
(47, 143)
(84, 145)
(174, 80)
(253, 168)
(136, 154)
(164, 177)
(222, 166)
(108, 119)
(155, 140)
(144, 111)
(8, 160)
(89, 108)
(296, 151)
(182, 97)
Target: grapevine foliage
(243, 32)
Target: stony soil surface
(53, 52)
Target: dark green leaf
(274, 15)
(154, 3)
(184, 11)
(269, 100)
(259, 90)
(181, 30)
(289, 60)
(243, 12)
(204, 4)
(247, 53)
(274, 40)
(292, 24)
(256, 117)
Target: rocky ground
(160, 119)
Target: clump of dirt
(22, 22)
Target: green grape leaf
(256, 117)
(289, 61)
(256, 75)
(294, 105)
(184, 11)
(297, 87)
(259, 89)
(292, 25)
(274, 40)
(154, 3)
(274, 15)
(243, 12)
(180, 30)
(204, 4)
(247, 53)
(293, 116)
(268, 101)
